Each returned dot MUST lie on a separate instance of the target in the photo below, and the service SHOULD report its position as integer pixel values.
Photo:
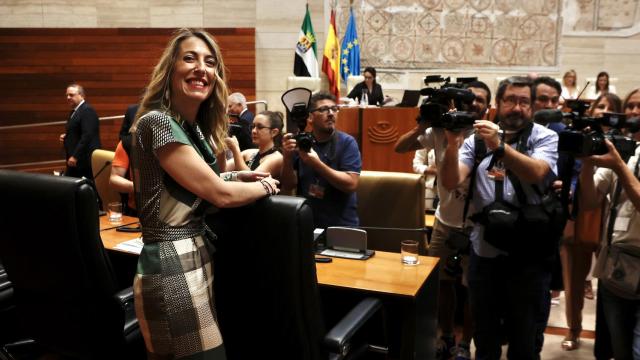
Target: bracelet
(230, 176)
(267, 187)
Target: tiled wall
(277, 24)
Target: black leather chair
(267, 291)
(64, 288)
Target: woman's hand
(270, 185)
(251, 176)
(232, 143)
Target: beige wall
(277, 24)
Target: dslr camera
(434, 109)
(296, 101)
(299, 114)
(585, 136)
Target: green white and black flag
(306, 62)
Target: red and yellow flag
(331, 57)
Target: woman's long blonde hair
(211, 117)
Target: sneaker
(444, 347)
(461, 353)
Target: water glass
(409, 252)
(114, 210)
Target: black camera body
(578, 142)
(299, 115)
(435, 108)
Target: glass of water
(409, 252)
(115, 212)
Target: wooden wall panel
(113, 65)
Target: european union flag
(350, 51)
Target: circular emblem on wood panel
(383, 133)
(376, 47)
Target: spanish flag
(331, 57)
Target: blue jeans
(508, 289)
(622, 317)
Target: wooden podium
(377, 130)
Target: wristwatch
(498, 152)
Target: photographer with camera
(450, 237)
(507, 163)
(618, 263)
(324, 169)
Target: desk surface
(126, 220)
(383, 273)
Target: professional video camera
(585, 136)
(297, 103)
(435, 108)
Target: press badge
(621, 224)
(316, 191)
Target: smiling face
(193, 74)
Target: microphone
(106, 163)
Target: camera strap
(613, 213)
(480, 151)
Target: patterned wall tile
(466, 33)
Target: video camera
(297, 103)
(435, 108)
(578, 141)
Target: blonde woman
(179, 128)
(570, 89)
(266, 133)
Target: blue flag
(350, 51)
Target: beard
(513, 120)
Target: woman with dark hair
(266, 132)
(177, 137)
(370, 87)
(608, 102)
(601, 86)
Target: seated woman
(266, 133)
(570, 88)
(601, 86)
(370, 87)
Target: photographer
(448, 224)
(618, 262)
(508, 265)
(327, 175)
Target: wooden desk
(105, 224)
(409, 295)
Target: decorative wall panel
(455, 33)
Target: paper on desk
(133, 246)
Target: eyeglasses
(259, 127)
(511, 101)
(326, 109)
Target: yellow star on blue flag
(350, 50)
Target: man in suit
(82, 134)
(240, 120)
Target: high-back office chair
(266, 286)
(311, 83)
(64, 287)
(101, 168)
(353, 80)
(393, 202)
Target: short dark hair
(371, 70)
(547, 81)
(518, 81)
(321, 95)
(483, 86)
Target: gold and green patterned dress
(173, 286)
